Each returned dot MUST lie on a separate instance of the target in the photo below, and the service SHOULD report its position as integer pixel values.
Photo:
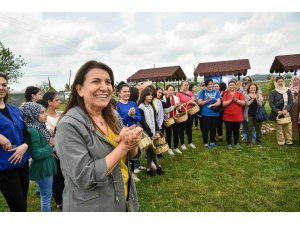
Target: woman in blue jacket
(128, 110)
(14, 166)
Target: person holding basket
(170, 105)
(281, 101)
(187, 99)
(150, 126)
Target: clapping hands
(130, 137)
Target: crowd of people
(88, 156)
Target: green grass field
(251, 179)
(256, 179)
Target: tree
(67, 87)
(11, 64)
(46, 86)
(272, 84)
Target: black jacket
(276, 103)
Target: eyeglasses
(247, 80)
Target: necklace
(99, 121)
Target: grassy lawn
(256, 179)
(251, 179)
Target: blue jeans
(45, 188)
(244, 132)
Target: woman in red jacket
(233, 102)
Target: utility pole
(70, 79)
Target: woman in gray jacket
(93, 146)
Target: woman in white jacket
(170, 103)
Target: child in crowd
(150, 126)
(43, 166)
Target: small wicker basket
(181, 117)
(194, 110)
(283, 121)
(145, 143)
(169, 122)
(160, 148)
(159, 141)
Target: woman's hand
(18, 155)
(5, 143)
(131, 112)
(130, 136)
(51, 142)
(280, 113)
(51, 130)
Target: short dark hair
(48, 96)
(223, 86)
(232, 81)
(134, 94)
(121, 85)
(191, 86)
(6, 78)
(207, 81)
(279, 78)
(31, 90)
(170, 85)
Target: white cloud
(53, 46)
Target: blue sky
(54, 43)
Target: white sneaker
(171, 152)
(136, 170)
(183, 147)
(192, 146)
(153, 166)
(177, 151)
(135, 178)
(141, 168)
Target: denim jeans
(45, 188)
(244, 132)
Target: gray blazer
(82, 151)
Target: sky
(52, 44)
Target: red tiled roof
(158, 74)
(285, 63)
(239, 66)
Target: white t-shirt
(52, 121)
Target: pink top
(183, 98)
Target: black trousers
(209, 126)
(220, 125)
(196, 120)
(186, 127)
(151, 156)
(172, 132)
(58, 184)
(232, 128)
(14, 186)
